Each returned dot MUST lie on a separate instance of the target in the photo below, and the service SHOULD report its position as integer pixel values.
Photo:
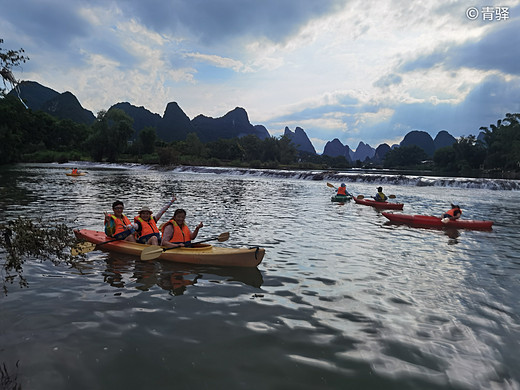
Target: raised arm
(196, 231)
(165, 207)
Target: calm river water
(342, 300)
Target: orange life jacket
(179, 234)
(147, 227)
(452, 212)
(342, 191)
(119, 225)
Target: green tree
(146, 139)
(503, 143)
(111, 132)
(251, 146)
(225, 149)
(270, 149)
(288, 152)
(404, 156)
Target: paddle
(153, 252)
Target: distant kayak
(340, 198)
(200, 254)
(76, 174)
(431, 221)
(379, 205)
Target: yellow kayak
(201, 254)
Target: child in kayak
(452, 215)
(380, 196)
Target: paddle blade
(82, 248)
(330, 185)
(223, 237)
(152, 252)
(391, 196)
(360, 197)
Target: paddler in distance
(451, 215)
(342, 190)
(146, 230)
(380, 196)
(175, 232)
(117, 225)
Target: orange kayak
(200, 254)
(76, 174)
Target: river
(342, 300)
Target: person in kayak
(146, 231)
(175, 232)
(342, 190)
(451, 215)
(118, 225)
(380, 196)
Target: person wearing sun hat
(146, 231)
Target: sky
(356, 70)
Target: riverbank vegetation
(27, 136)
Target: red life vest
(119, 225)
(179, 234)
(147, 227)
(342, 191)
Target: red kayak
(431, 221)
(379, 205)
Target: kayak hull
(200, 254)
(431, 221)
(379, 205)
(340, 198)
(76, 174)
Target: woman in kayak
(342, 190)
(118, 225)
(380, 196)
(453, 214)
(175, 233)
(146, 231)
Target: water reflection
(126, 271)
(452, 233)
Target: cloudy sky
(356, 70)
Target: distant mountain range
(175, 125)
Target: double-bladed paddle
(153, 252)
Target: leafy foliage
(503, 143)
(8, 60)
(24, 239)
(405, 156)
